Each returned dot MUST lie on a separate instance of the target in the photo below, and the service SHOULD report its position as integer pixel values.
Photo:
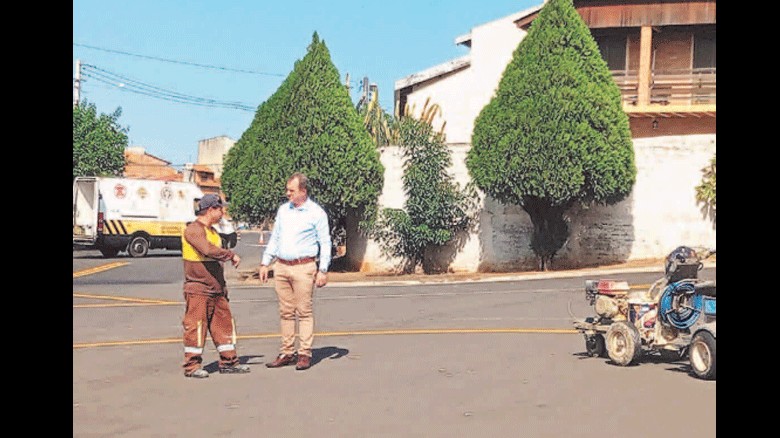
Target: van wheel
(109, 252)
(138, 247)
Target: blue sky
(161, 41)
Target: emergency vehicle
(113, 214)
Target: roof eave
(433, 72)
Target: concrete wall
(660, 214)
(211, 152)
(466, 259)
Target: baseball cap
(209, 201)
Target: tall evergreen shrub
(309, 125)
(555, 132)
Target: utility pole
(347, 85)
(373, 91)
(77, 84)
(364, 98)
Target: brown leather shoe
(304, 363)
(282, 361)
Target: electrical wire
(180, 62)
(126, 81)
(131, 85)
(114, 76)
(158, 96)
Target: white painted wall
(660, 214)
(462, 94)
(492, 47)
(452, 96)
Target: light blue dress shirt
(300, 232)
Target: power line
(159, 96)
(131, 85)
(215, 67)
(126, 80)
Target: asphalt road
(445, 360)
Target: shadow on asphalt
(213, 367)
(318, 354)
(676, 366)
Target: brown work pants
(208, 313)
(294, 288)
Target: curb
(238, 284)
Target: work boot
(200, 373)
(235, 369)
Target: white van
(134, 215)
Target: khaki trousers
(210, 314)
(294, 289)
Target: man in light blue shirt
(300, 234)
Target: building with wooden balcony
(661, 53)
(662, 56)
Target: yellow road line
(446, 331)
(97, 269)
(345, 333)
(121, 343)
(131, 299)
(97, 306)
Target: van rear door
(85, 210)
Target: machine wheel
(702, 355)
(671, 355)
(595, 345)
(225, 242)
(623, 343)
(109, 252)
(138, 247)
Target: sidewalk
(355, 279)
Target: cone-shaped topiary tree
(555, 132)
(309, 125)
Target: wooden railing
(628, 82)
(675, 87)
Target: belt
(296, 261)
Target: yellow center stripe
(352, 333)
(97, 269)
(130, 299)
(98, 306)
